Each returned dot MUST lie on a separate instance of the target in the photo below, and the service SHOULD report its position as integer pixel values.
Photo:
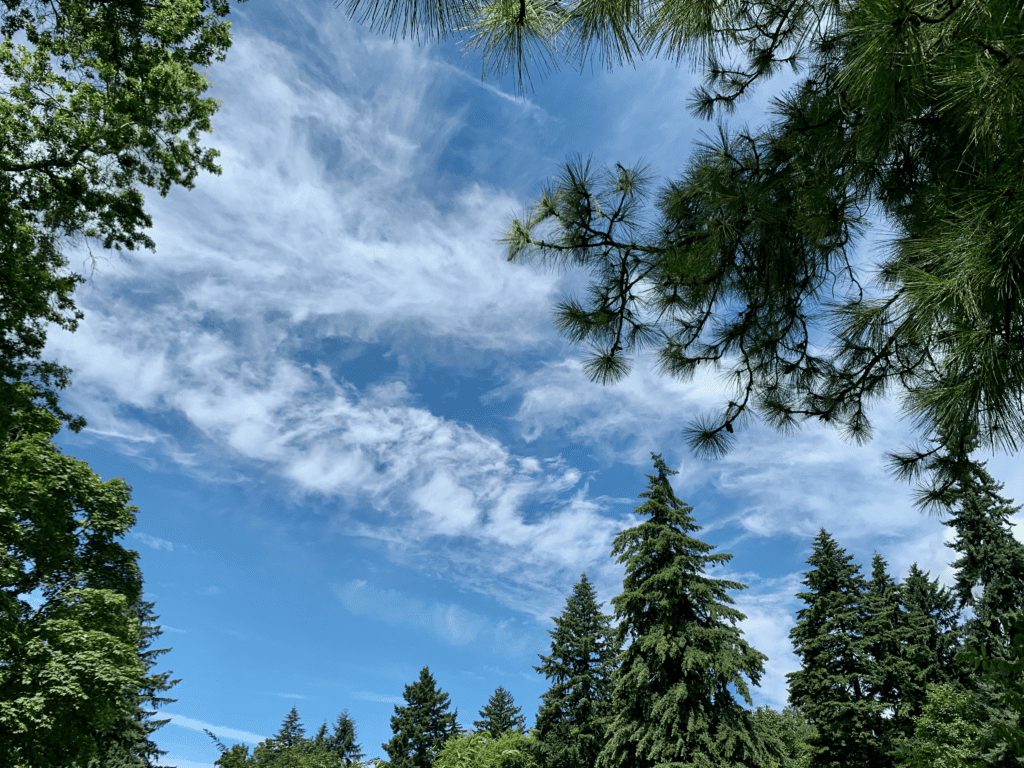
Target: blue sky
(357, 442)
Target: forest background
(383, 455)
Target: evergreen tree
(934, 609)
(992, 560)
(500, 715)
(422, 726)
(831, 686)
(342, 741)
(575, 711)
(671, 704)
(912, 109)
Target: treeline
(887, 676)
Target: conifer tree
(422, 726)
(342, 741)
(575, 711)
(831, 686)
(899, 643)
(500, 715)
(934, 609)
(992, 559)
(671, 705)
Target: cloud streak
(220, 731)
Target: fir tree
(575, 711)
(342, 741)
(671, 704)
(422, 726)
(992, 560)
(831, 686)
(934, 609)
(899, 644)
(500, 715)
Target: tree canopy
(910, 114)
(100, 97)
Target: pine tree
(342, 741)
(422, 726)
(831, 686)
(500, 715)
(671, 704)
(575, 711)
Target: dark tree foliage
(908, 113)
(671, 705)
(422, 727)
(576, 710)
(342, 740)
(500, 715)
(831, 686)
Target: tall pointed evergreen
(500, 715)
(831, 688)
(671, 704)
(422, 726)
(900, 640)
(342, 741)
(575, 711)
(934, 608)
(291, 733)
(992, 559)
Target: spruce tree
(575, 711)
(992, 559)
(500, 715)
(671, 705)
(831, 686)
(899, 641)
(342, 741)
(422, 726)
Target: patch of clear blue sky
(277, 592)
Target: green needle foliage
(422, 727)
(500, 715)
(98, 99)
(576, 710)
(910, 113)
(831, 686)
(671, 706)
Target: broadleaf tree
(100, 98)
(909, 114)
(422, 726)
(73, 666)
(576, 709)
(671, 705)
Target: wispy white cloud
(448, 622)
(153, 541)
(379, 697)
(220, 731)
(213, 590)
